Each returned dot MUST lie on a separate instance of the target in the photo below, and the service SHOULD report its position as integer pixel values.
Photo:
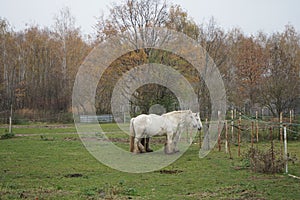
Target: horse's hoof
(149, 150)
(143, 151)
(136, 152)
(169, 153)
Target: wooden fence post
(10, 119)
(239, 136)
(232, 123)
(219, 130)
(226, 137)
(234, 113)
(206, 135)
(200, 139)
(285, 150)
(256, 125)
(272, 150)
(281, 135)
(252, 133)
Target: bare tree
(71, 52)
(281, 86)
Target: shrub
(269, 161)
(7, 136)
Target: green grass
(59, 167)
(39, 129)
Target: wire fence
(29, 116)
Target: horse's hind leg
(136, 146)
(141, 147)
(143, 141)
(146, 143)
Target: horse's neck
(179, 112)
(178, 116)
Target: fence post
(256, 126)
(239, 135)
(10, 120)
(206, 144)
(228, 141)
(272, 150)
(280, 132)
(219, 130)
(252, 133)
(226, 137)
(232, 134)
(200, 139)
(10, 125)
(285, 149)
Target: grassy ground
(57, 166)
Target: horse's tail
(132, 135)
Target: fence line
(252, 130)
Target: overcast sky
(249, 15)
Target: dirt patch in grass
(40, 193)
(71, 139)
(50, 126)
(75, 175)
(126, 140)
(164, 171)
(229, 192)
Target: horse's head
(199, 123)
(194, 120)
(198, 120)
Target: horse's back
(157, 125)
(151, 125)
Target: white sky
(249, 15)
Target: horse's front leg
(189, 135)
(175, 141)
(169, 144)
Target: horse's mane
(177, 112)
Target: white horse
(169, 124)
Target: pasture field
(50, 162)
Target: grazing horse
(169, 124)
